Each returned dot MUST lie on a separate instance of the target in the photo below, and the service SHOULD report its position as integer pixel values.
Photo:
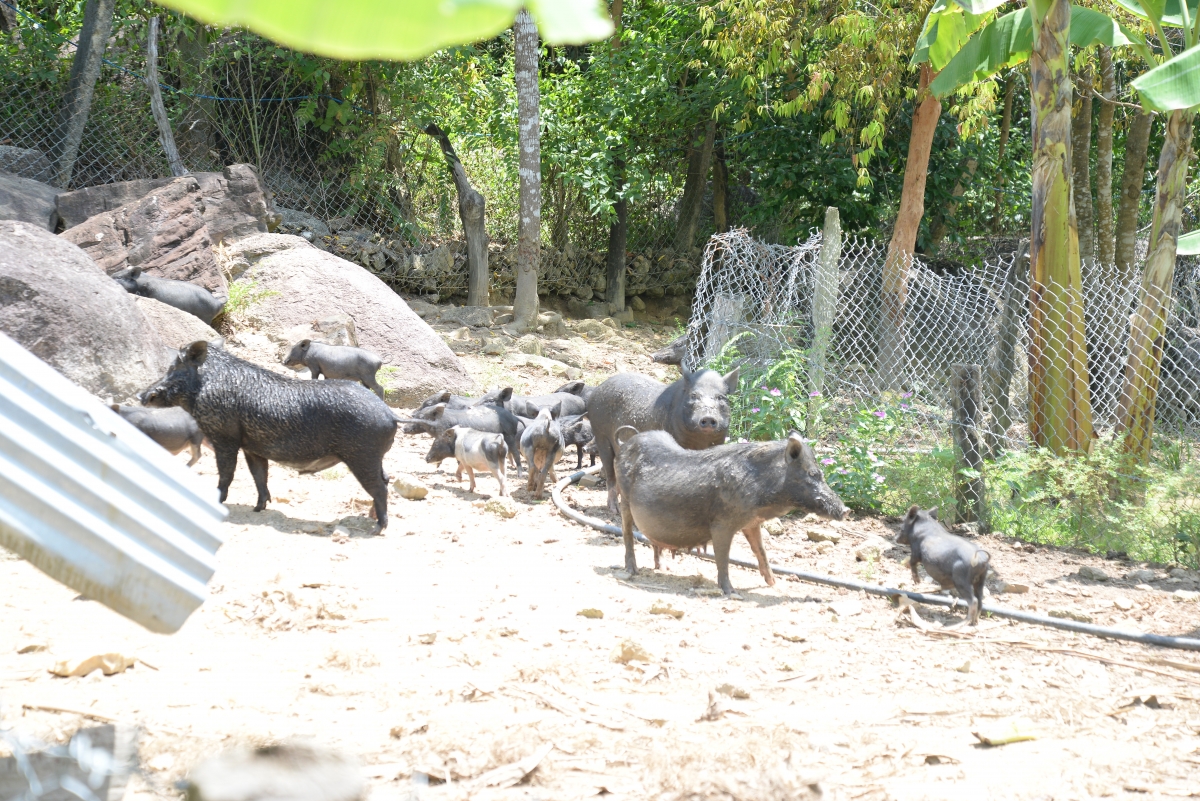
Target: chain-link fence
(365, 182)
(809, 324)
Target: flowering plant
(856, 471)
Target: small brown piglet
(951, 561)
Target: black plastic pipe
(1182, 643)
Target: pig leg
(471, 475)
(722, 540)
(498, 472)
(370, 476)
(579, 453)
(194, 444)
(627, 532)
(754, 537)
(607, 467)
(914, 561)
(657, 556)
(314, 370)
(258, 469)
(226, 465)
(370, 383)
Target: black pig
(577, 431)
(683, 498)
(541, 444)
(174, 429)
(337, 361)
(193, 299)
(308, 425)
(951, 561)
(437, 419)
(694, 410)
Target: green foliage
(396, 29)
(1172, 85)
(856, 471)
(243, 296)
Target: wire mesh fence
(364, 182)
(809, 327)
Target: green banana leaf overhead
(1169, 13)
(1008, 40)
(1188, 244)
(1173, 85)
(396, 29)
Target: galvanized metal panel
(95, 504)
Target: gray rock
(56, 302)
(493, 347)
(175, 327)
(243, 253)
(409, 487)
(26, 162)
(530, 344)
(299, 221)
(28, 201)
(623, 316)
(310, 284)
(1092, 573)
(637, 304)
(235, 203)
(426, 311)
(280, 772)
(1182, 573)
(871, 550)
(162, 232)
(336, 329)
(823, 535)
(82, 204)
(1141, 576)
(474, 316)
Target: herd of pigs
(661, 448)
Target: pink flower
(814, 394)
(828, 460)
(880, 413)
(776, 393)
(755, 410)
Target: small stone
(493, 347)
(530, 344)
(824, 547)
(629, 651)
(591, 614)
(461, 334)
(504, 319)
(1181, 573)
(610, 322)
(637, 304)
(847, 608)
(31, 647)
(733, 691)
(427, 639)
(504, 507)
(1143, 587)
(774, 526)
(590, 481)
(1092, 573)
(870, 550)
(666, 609)
(409, 487)
(1124, 604)
(622, 575)
(1012, 588)
(1185, 595)
(965, 667)
(823, 535)
(1141, 576)
(513, 330)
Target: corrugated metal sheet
(95, 504)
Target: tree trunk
(618, 233)
(1060, 402)
(1005, 130)
(1139, 393)
(1104, 158)
(699, 158)
(947, 214)
(720, 189)
(196, 129)
(892, 335)
(165, 135)
(8, 18)
(471, 208)
(529, 224)
(77, 101)
(1081, 153)
(1133, 177)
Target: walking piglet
(337, 361)
(951, 561)
(541, 444)
(474, 450)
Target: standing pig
(337, 361)
(577, 388)
(694, 410)
(683, 498)
(577, 431)
(951, 561)
(195, 300)
(437, 419)
(308, 425)
(474, 450)
(530, 405)
(174, 429)
(541, 445)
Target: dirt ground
(455, 644)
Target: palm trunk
(904, 235)
(1060, 402)
(1005, 130)
(1139, 393)
(1081, 151)
(529, 224)
(77, 102)
(699, 158)
(471, 211)
(1133, 177)
(1105, 244)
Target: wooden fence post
(824, 309)
(1003, 362)
(970, 493)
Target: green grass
(244, 295)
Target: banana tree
(1060, 400)
(1172, 85)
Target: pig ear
(732, 378)
(933, 513)
(794, 450)
(912, 512)
(135, 272)
(435, 413)
(195, 353)
(504, 396)
(304, 343)
(116, 407)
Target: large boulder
(163, 232)
(175, 327)
(28, 201)
(26, 162)
(56, 302)
(236, 203)
(83, 204)
(298, 284)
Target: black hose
(1183, 643)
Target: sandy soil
(454, 645)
